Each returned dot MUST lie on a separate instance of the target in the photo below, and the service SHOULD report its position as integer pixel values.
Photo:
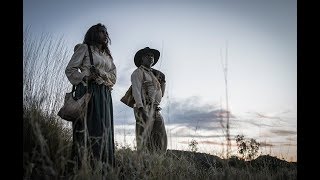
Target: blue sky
(192, 36)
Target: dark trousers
(150, 133)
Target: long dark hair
(92, 37)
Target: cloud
(280, 132)
(264, 144)
(276, 144)
(254, 122)
(210, 142)
(292, 139)
(266, 120)
(288, 144)
(188, 118)
(191, 112)
(207, 142)
(274, 117)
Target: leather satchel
(128, 99)
(73, 108)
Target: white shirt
(139, 93)
(80, 60)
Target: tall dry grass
(44, 61)
(46, 139)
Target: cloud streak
(280, 132)
(191, 112)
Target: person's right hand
(91, 77)
(142, 113)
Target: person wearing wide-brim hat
(148, 86)
(141, 52)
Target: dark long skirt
(99, 122)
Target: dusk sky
(259, 39)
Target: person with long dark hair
(93, 135)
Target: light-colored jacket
(80, 60)
(145, 87)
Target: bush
(247, 148)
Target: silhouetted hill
(207, 161)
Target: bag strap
(91, 62)
(144, 76)
(90, 54)
(143, 80)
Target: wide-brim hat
(141, 52)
